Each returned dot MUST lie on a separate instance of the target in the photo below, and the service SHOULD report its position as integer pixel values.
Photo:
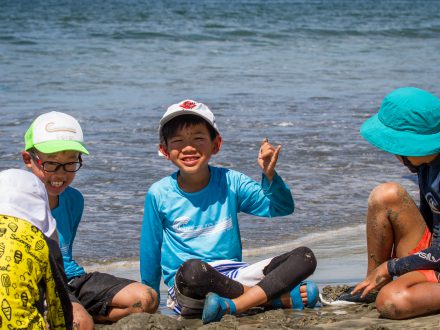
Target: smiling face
(55, 182)
(190, 149)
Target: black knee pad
(309, 259)
(192, 277)
(191, 284)
(302, 254)
(195, 279)
(286, 270)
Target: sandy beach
(329, 317)
(338, 264)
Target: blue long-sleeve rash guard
(68, 214)
(429, 259)
(178, 226)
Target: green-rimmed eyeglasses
(50, 166)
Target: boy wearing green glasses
(53, 147)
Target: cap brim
(401, 143)
(182, 112)
(50, 147)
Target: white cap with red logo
(188, 107)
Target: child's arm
(150, 245)
(267, 158)
(265, 199)
(428, 259)
(270, 198)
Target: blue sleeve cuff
(266, 185)
(392, 267)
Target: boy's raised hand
(267, 158)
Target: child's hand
(267, 158)
(375, 280)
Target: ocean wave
(317, 240)
(419, 32)
(314, 238)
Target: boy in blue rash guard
(53, 148)
(190, 227)
(403, 240)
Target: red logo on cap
(188, 105)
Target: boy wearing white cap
(403, 240)
(190, 229)
(53, 147)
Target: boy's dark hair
(171, 128)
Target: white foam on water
(286, 124)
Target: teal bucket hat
(407, 124)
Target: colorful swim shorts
(425, 242)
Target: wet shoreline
(328, 317)
(342, 264)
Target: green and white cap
(55, 132)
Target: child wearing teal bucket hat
(403, 240)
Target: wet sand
(338, 264)
(328, 317)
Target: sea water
(304, 74)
